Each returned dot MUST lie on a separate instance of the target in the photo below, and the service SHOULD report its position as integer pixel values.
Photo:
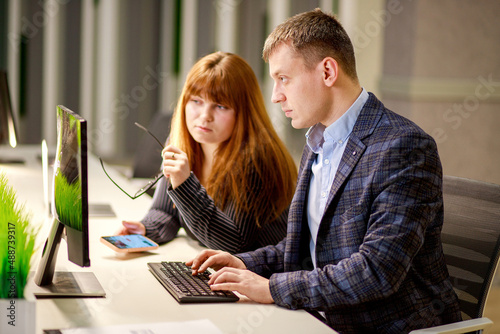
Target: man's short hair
(314, 35)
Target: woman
(228, 177)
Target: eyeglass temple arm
(109, 177)
(150, 133)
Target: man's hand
(232, 275)
(244, 281)
(214, 259)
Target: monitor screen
(70, 204)
(69, 209)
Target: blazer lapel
(365, 125)
(296, 217)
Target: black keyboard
(177, 278)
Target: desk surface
(133, 295)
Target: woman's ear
(330, 71)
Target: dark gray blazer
(380, 265)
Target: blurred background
(117, 62)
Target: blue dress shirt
(329, 144)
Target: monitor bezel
(77, 241)
(54, 284)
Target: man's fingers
(225, 287)
(226, 274)
(209, 262)
(201, 262)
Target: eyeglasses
(150, 184)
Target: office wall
(117, 62)
(441, 70)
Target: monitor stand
(48, 283)
(78, 284)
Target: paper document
(186, 327)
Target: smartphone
(129, 243)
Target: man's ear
(330, 69)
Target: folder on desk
(204, 326)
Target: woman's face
(209, 122)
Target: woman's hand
(175, 165)
(131, 228)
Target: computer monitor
(70, 214)
(8, 134)
(7, 125)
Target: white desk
(133, 293)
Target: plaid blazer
(380, 264)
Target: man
(363, 246)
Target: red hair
(253, 155)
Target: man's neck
(343, 97)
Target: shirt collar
(340, 130)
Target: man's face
(300, 90)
